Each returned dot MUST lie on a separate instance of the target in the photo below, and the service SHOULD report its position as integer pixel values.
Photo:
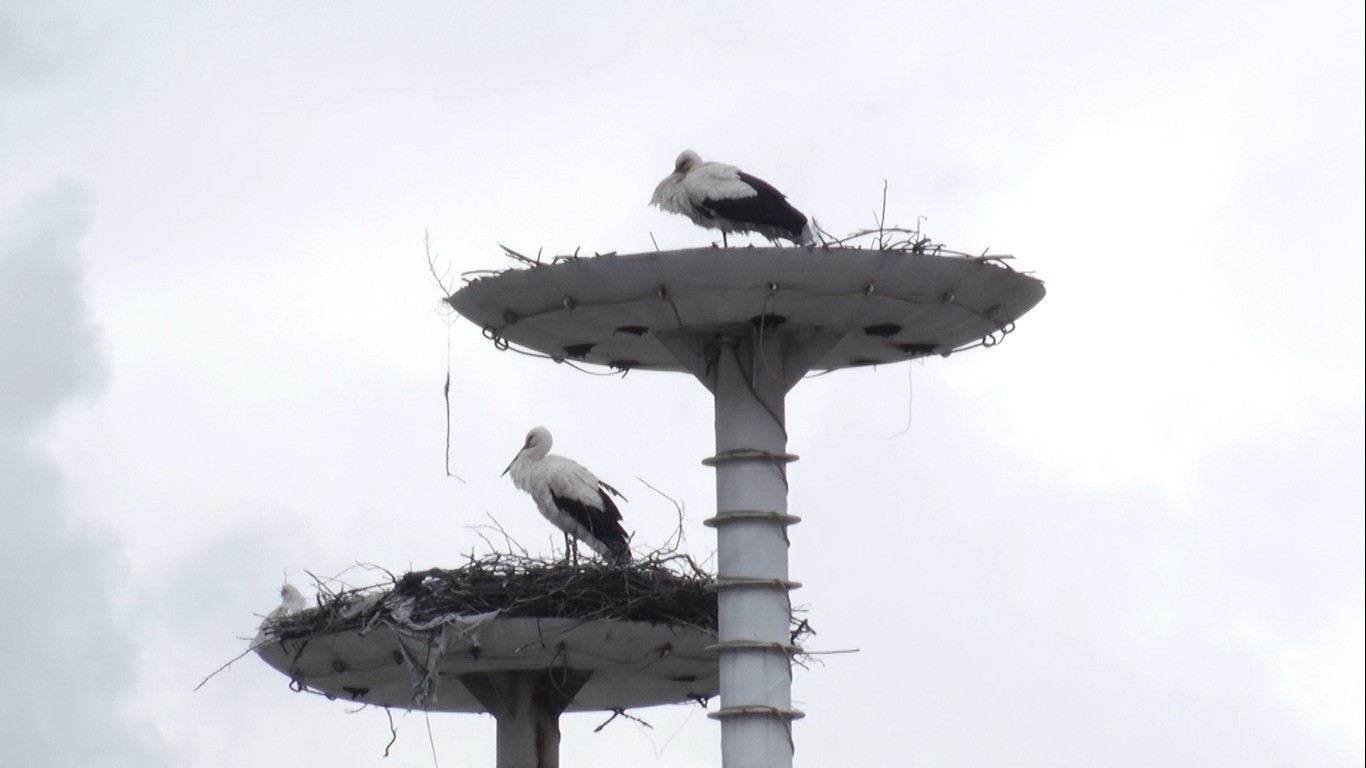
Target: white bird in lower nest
(720, 196)
(572, 498)
(291, 602)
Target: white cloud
(1140, 357)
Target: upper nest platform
(884, 305)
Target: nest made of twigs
(657, 590)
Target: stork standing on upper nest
(720, 196)
(572, 498)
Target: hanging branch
(439, 279)
(621, 713)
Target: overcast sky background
(1131, 535)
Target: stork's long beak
(518, 456)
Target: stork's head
(291, 599)
(687, 161)
(670, 194)
(536, 447)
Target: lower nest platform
(636, 636)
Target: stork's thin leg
(724, 243)
(569, 549)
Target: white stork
(720, 196)
(571, 497)
(291, 602)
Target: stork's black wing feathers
(768, 207)
(604, 524)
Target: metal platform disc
(886, 306)
(632, 664)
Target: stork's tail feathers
(618, 550)
(612, 490)
(619, 554)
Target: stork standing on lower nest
(572, 498)
(720, 196)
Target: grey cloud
(49, 347)
(39, 41)
(67, 666)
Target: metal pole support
(754, 648)
(527, 706)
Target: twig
(322, 587)
(446, 394)
(478, 531)
(882, 220)
(678, 538)
(234, 660)
(517, 256)
(910, 402)
(393, 737)
(374, 567)
(430, 739)
(438, 279)
(621, 713)
(511, 542)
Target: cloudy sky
(1131, 535)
